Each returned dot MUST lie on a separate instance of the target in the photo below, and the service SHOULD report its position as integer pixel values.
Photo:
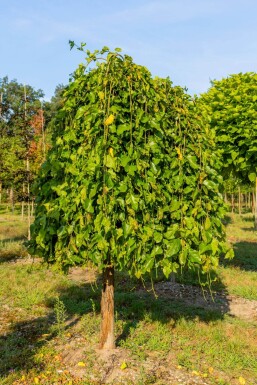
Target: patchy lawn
(179, 333)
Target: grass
(155, 337)
(240, 274)
(13, 231)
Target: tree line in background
(25, 130)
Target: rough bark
(107, 340)
(255, 206)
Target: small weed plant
(60, 316)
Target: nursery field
(167, 333)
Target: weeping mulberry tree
(130, 182)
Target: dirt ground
(158, 371)
(192, 295)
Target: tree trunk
(43, 132)
(239, 200)
(255, 207)
(22, 203)
(0, 192)
(12, 199)
(28, 192)
(232, 203)
(225, 198)
(107, 310)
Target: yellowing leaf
(123, 365)
(36, 380)
(111, 151)
(195, 373)
(81, 363)
(109, 120)
(242, 380)
(180, 156)
(23, 378)
(210, 370)
(179, 367)
(101, 95)
(207, 223)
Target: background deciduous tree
(20, 106)
(232, 106)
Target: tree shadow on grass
(20, 345)
(227, 220)
(11, 252)
(245, 256)
(20, 238)
(249, 218)
(251, 229)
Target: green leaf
(132, 200)
(123, 186)
(173, 248)
(252, 176)
(210, 185)
(215, 245)
(124, 160)
(167, 270)
(193, 161)
(229, 254)
(110, 162)
(207, 223)
(157, 250)
(157, 237)
(102, 245)
(175, 205)
(126, 229)
(170, 234)
(122, 128)
(88, 205)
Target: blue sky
(191, 41)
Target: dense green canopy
(132, 176)
(232, 106)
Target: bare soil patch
(192, 295)
(220, 301)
